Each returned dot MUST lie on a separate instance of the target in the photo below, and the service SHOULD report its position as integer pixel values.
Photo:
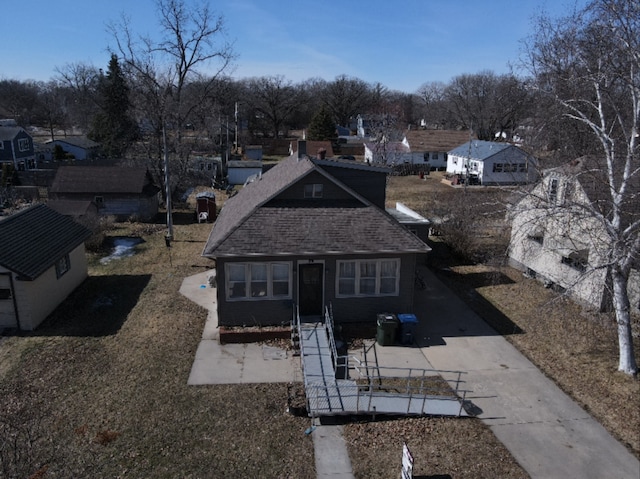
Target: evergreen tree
(322, 126)
(113, 127)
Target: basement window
(5, 293)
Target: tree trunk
(627, 361)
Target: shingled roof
(102, 180)
(436, 140)
(251, 224)
(34, 239)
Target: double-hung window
(368, 277)
(258, 281)
(62, 266)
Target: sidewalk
(545, 430)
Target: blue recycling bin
(408, 327)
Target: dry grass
(574, 347)
(100, 390)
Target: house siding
(369, 184)
(38, 298)
(345, 310)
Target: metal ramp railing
(369, 388)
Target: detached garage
(42, 260)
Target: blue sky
(400, 44)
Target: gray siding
(346, 310)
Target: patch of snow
(122, 248)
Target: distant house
(309, 234)
(118, 191)
(386, 153)
(16, 148)
(553, 240)
(490, 163)
(239, 171)
(311, 148)
(42, 260)
(81, 148)
(430, 147)
(253, 152)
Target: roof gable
(260, 220)
(34, 239)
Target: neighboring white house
(42, 260)
(239, 171)
(430, 147)
(490, 163)
(387, 153)
(552, 238)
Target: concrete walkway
(545, 431)
(217, 363)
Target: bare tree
(487, 103)
(589, 63)
(272, 101)
(191, 47)
(347, 97)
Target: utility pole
(167, 186)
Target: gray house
(80, 147)
(308, 234)
(118, 191)
(16, 148)
(42, 260)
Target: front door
(310, 283)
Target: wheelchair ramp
(329, 396)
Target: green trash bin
(387, 326)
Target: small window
(5, 293)
(99, 201)
(553, 191)
(537, 238)
(498, 167)
(258, 281)
(313, 190)
(522, 167)
(62, 266)
(577, 260)
(23, 144)
(434, 156)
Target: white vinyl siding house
(554, 241)
(42, 260)
(490, 163)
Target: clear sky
(398, 43)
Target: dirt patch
(254, 335)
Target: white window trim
(247, 281)
(23, 144)
(357, 293)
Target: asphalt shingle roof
(436, 140)
(480, 149)
(34, 239)
(251, 224)
(102, 180)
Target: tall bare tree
(589, 63)
(190, 47)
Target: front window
(258, 281)
(368, 278)
(498, 167)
